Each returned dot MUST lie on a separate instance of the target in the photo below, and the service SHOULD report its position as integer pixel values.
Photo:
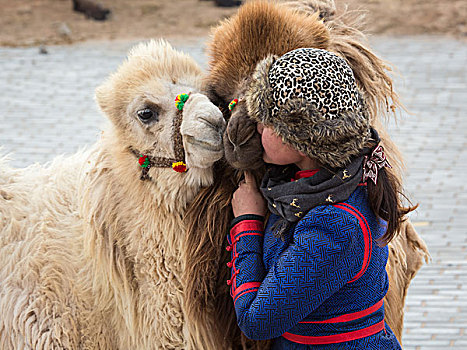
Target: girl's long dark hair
(385, 199)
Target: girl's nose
(260, 128)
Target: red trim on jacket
(352, 316)
(249, 234)
(366, 236)
(241, 229)
(243, 293)
(369, 234)
(245, 288)
(337, 338)
(236, 271)
(246, 225)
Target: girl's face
(276, 151)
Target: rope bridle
(178, 163)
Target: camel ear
(112, 98)
(104, 96)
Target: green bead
(184, 97)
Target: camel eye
(147, 115)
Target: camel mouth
(205, 145)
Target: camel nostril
(216, 125)
(230, 140)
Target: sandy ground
(35, 22)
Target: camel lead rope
(179, 166)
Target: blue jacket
(319, 287)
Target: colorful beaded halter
(177, 163)
(233, 103)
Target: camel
(258, 29)
(91, 244)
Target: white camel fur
(90, 255)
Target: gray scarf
(293, 199)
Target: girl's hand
(247, 199)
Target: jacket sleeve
(322, 257)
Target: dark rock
(43, 50)
(91, 9)
(228, 3)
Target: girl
(314, 277)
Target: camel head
(263, 28)
(150, 130)
(238, 44)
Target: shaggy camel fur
(90, 255)
(257, 30)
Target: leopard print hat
(310, 98)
